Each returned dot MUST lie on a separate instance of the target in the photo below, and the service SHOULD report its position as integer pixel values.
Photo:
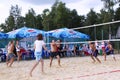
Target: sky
(81, 6)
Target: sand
(73, 68)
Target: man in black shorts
(54, 53)
(94, 52)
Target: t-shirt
(38, 45)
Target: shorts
(110, 52)
(11, 55)
(59, 52)
(95, 53)
(38, 56)
(86, 53)
(54, 54)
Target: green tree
(46, 19)
(30, 18)
(59, 16)
(117, 17)
(53, 14)
(91, 19)
(103, 30)
(109, 7)
(9, 24)
(74, 19)
(21, 22)
(39, 22)
(62, 15)
(14, 20)
(2, 27)
(117, 13)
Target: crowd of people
(58, 50)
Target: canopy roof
(66, 33)
(24, 32)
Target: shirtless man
(10, 54)
(110, 50)
(54, 53)
(59, 48)
(94, 52)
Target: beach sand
(73, 68)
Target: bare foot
(99, 61)
(105, 60)
(30, 74)
(7, 63)
(10, 66)
(114, 58)
(93, 61)
(43, 73)
(60, 66)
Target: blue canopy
(3, 35)
(76, 34)
(66, 33)
(24, 32)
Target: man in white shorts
(38, 46)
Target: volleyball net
(107, 32)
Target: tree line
(60, 16)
